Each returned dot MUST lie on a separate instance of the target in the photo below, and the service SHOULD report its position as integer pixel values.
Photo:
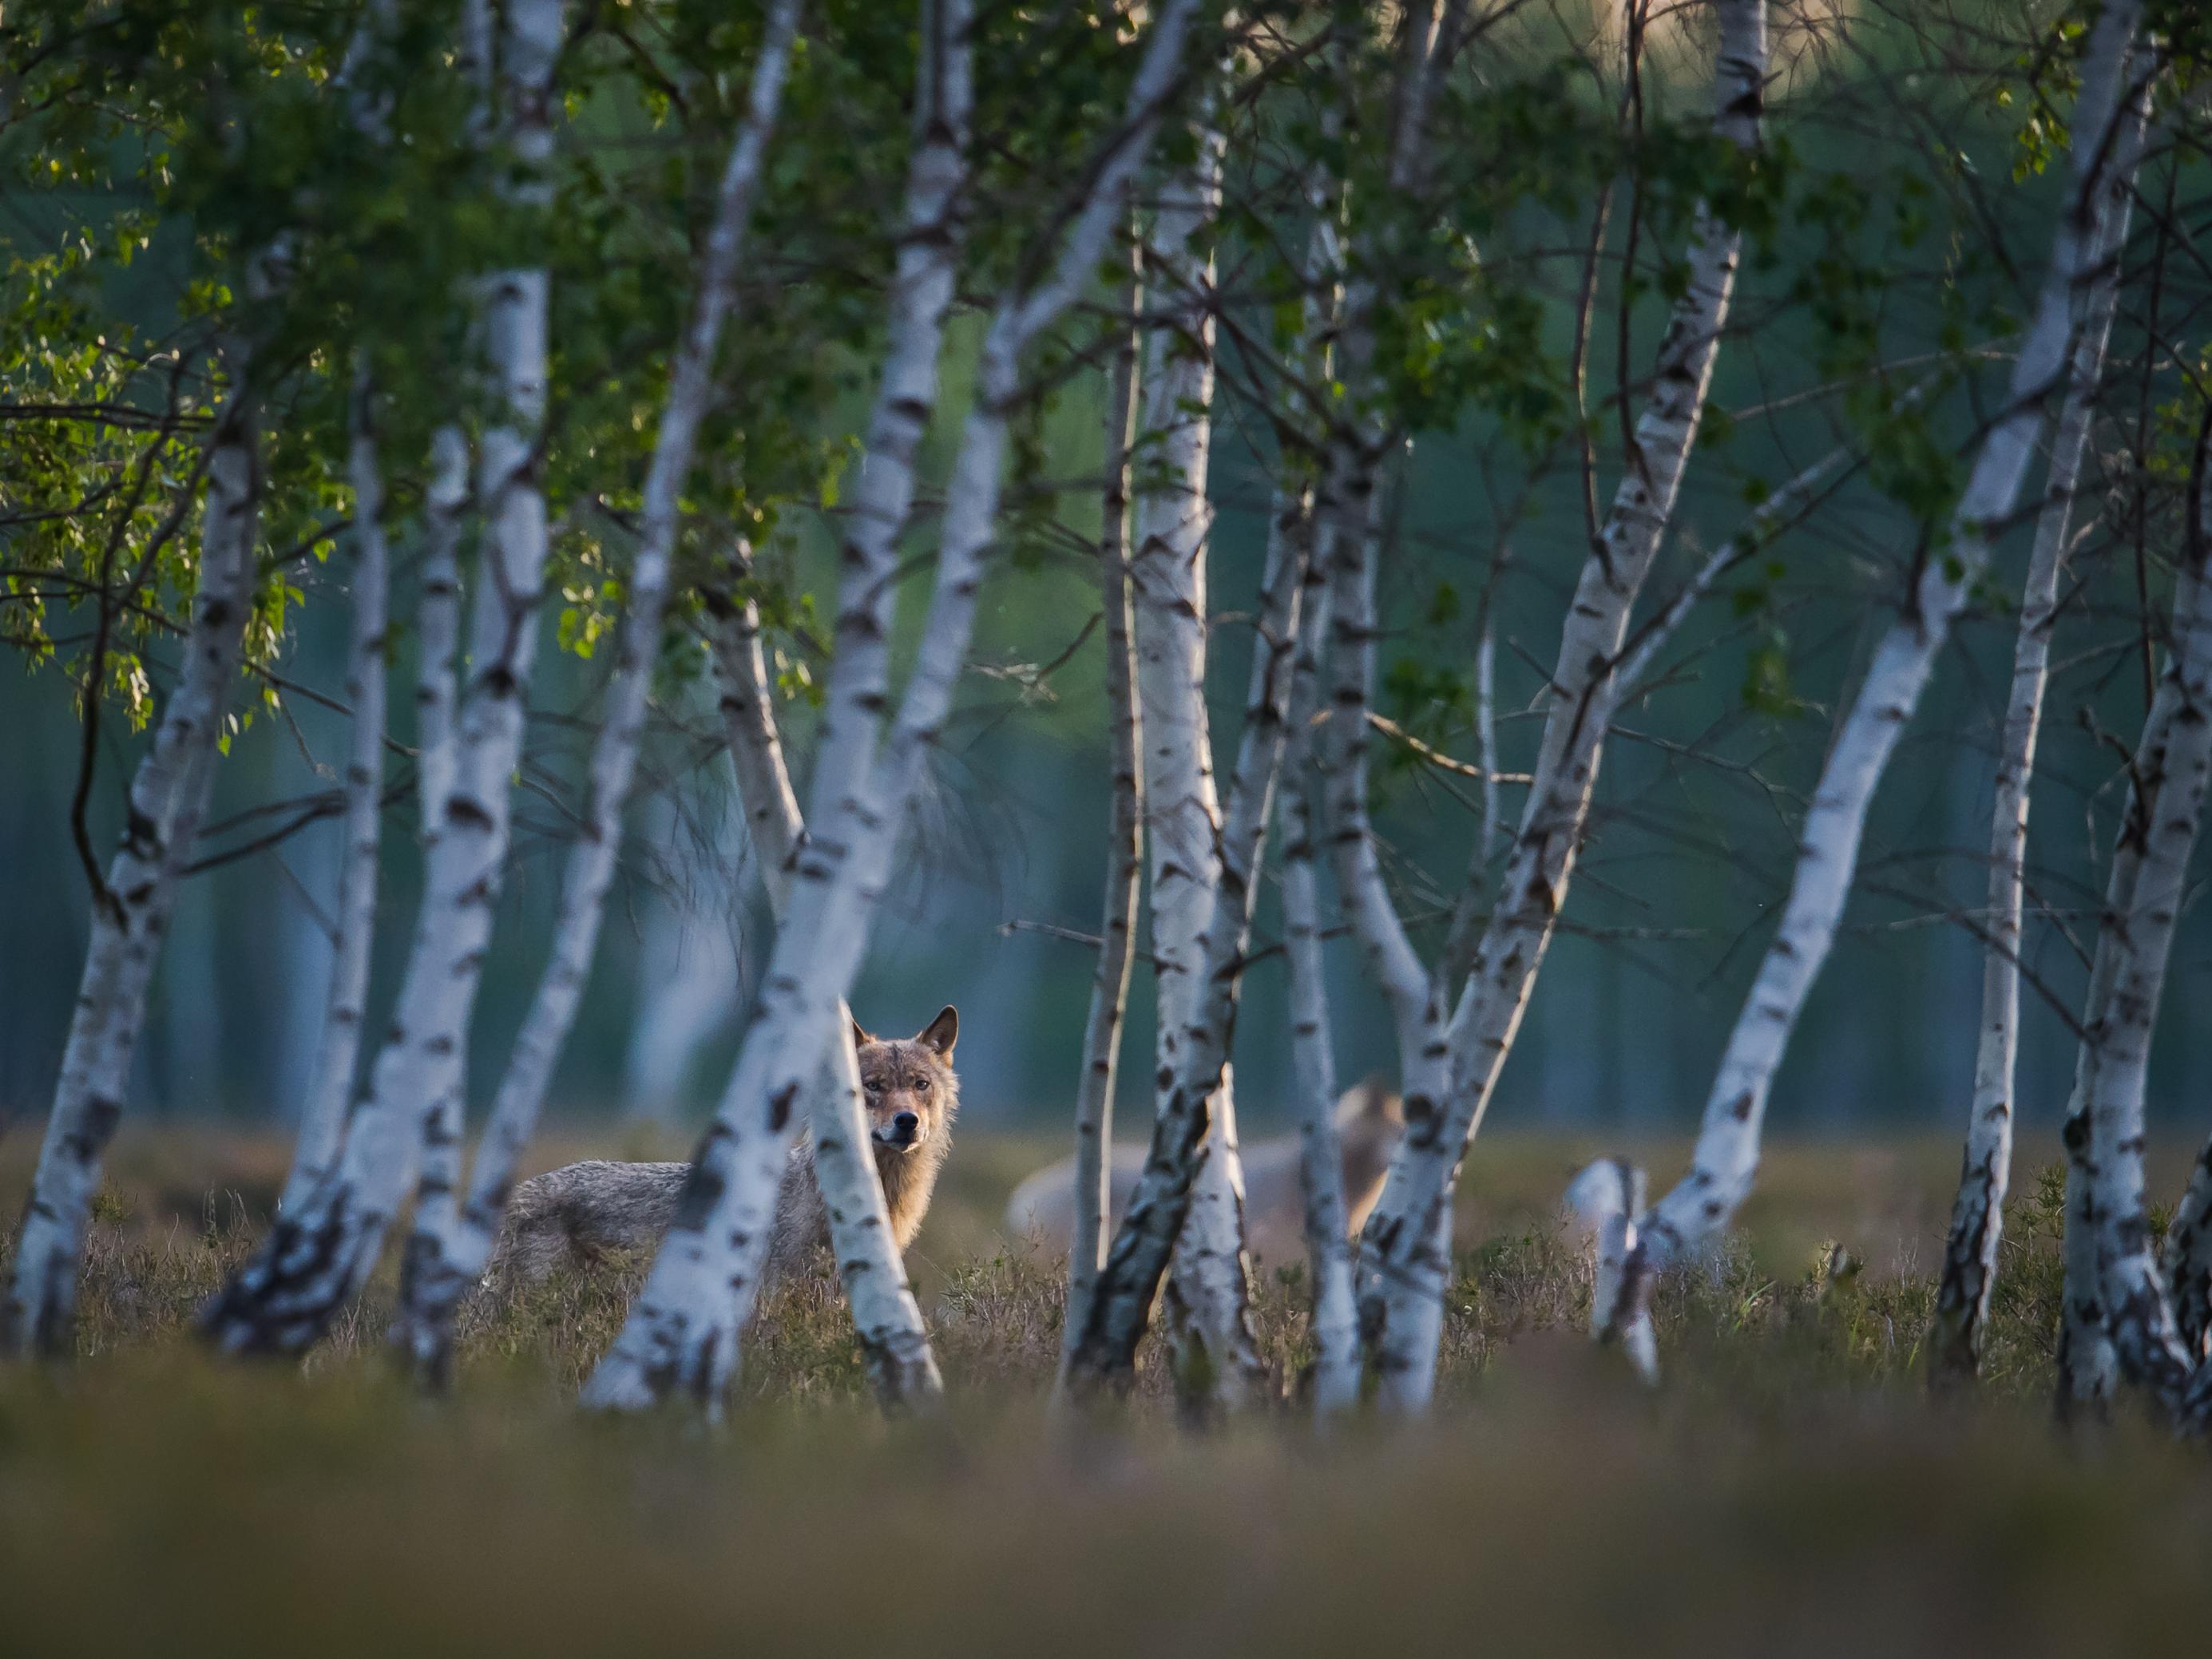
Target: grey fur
(576, 1216)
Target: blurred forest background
(1690, 848)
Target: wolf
(1369, 1120)
(575, 1216)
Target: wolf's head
(909, 1087)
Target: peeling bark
(169, 795)
(682, 1338)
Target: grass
(1789, 1489)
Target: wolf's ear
(860, 1038)
(941, 1033)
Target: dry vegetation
(1790, 1489)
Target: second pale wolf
(578, 1214)
(1369, 1120)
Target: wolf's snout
(903, 1130)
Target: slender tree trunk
(315, 1260)
(322, 1118)
(1405, 1260)
(1727, 1153)
(2151, 1347)
(1312, 1056)
(1105, 1352)
(681, 1337)
(1970, 1253)
(1208, 1300)
(894, 1342)
(169, 795)
(1125, 844)
(452, 1242)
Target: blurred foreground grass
(1789, 1490)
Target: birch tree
(1208, 1296)
(1969, 1252)
(1726, 1156)
(1451, 1065)
(683, 1334)
(1104, 1353)
(2105, 1146)
(169, 795)
(315, 1260)
(1125, 851)
(453, 1238)
(322, 1116)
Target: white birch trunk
(322, 1117)
(2089, 1365)
(894, 1341)
(1125, 853)
(1970, 1253)
(1208, 1300)
(1607, 1198)
(1105, 1352)
(1726, 1156)
(681, 1336)
(1335, 1324)
(1406, 1262)
(2153, 1351)
(314, 1261)
(452, 1242)
(169, 795)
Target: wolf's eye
(921, 1085)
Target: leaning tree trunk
(683, 1333)
(2152, 1348)
(322, 1117)
(453, 1240)
(313, 1262)
(1405, 1258)
(1125, 847)
(168, 795)
(1208, 1296)
(1970, 1253)
(1727, 1153)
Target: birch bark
(1125, 846)
(1105, 1352)
(1208, 1300)
(2151, 1347)
(1405, 1260)
(169, 795)
(322, 1118)
(314, 1261)
(452, 1242)
(1727, 1153)
(681, 1337)
(1970, 1253)
(1321, 1163)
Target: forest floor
(1789, 1489)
